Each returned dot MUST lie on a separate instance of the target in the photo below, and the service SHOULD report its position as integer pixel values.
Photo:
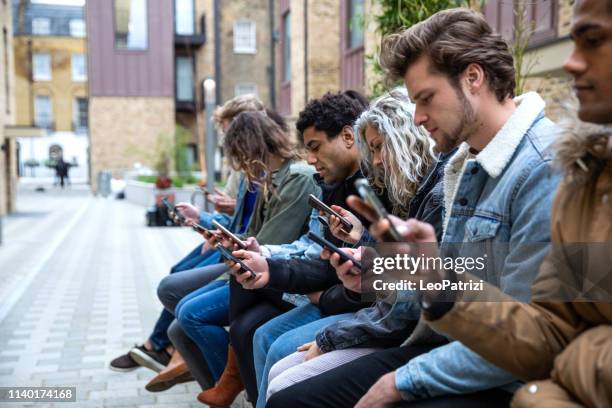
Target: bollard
(104, 183)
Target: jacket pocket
(481, 229)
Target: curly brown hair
(452, 39)
(252, 139)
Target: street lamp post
(211, 142)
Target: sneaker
(154, 360)
(124, 363)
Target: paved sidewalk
(77, 281)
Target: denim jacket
(501, 195)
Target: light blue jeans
(281, 336)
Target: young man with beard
(561, 342)
(497, 189)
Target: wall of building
(124, 131)
(8, 172)
(62, 89)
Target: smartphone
(199, 228)
(370, 198)
(227, 254)
(321, 206)
(229, 234)
(328, 245)
(175, 214)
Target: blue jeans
(195, 259)
(203, 314)
(281, 336)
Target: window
(7, 89)
(80, 115)
(41, 67)
(184, 79)
(43, 112)
(184, 17)
(131, 24)
(41, 26)
(287, 47)
(245, 88)
(355, 23)
(77, 28)
(245, 41)
(79, 68)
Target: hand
(311, 349)
(252, 245)
(314, 297)
(257, 263)
(350, 276)
(223, 203)
(190, 212)
(382, 394)
(205, 247)
(214, 238)
(337, 229)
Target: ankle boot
(227, 388)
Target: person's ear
(348, 136)
(474, 77)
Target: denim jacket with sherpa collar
(499, 198)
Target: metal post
(211, 139)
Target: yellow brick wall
(124, 131)
(61, 88)
(8, 172)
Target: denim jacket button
(463, 201)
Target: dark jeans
(250, 309)
(345, 385)
(159, 337)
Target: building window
(184, 79)
(287, 47)
(41, 26)
(79, 68)
(77, 28)
(245, 88)
(184, 17)
(7, 85)
(41, 67)
(355, 23)
(245, 40)
(43, 112)
(80, 115)
(131, 24)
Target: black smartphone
(230, 235)
(328, 245)
(227, 254)
(321, 206)
(199, 228)
(174, 214)
(370, 198)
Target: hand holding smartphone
(227, 254)
(321, 206)
(173, 212)
(330, 246)
(371, 200)
(230, 235)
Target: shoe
(123, 363)
(176, 372)
(227, 388)
(154, 360)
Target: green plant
(523, 31)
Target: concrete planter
(144, 194)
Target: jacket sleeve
(337, 300)
(382, 325)
(448, 369)
(301, 276)
(288, 218)
(298, 247)
(206, 219)
(537, 331)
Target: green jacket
(284, 218)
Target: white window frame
(37, 75)
(250, 45)
(239, 88)
(78, 28)
(76, 75)
(36, 26)
(37, 121)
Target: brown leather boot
(227, 388)
(176, 372)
